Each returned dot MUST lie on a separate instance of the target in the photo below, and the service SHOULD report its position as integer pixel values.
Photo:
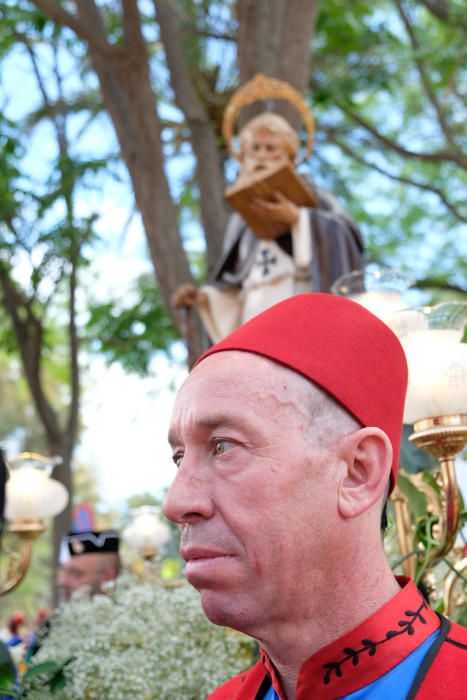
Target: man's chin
(225, 610)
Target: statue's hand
(188, 295)
(282, 213)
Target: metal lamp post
(437, 406)
(31, 498)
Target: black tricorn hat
(90, 542)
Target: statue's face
(262, 149)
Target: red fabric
(389, 652)
(447, 676)
(340, 346)
(241, 687)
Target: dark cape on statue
(337, 246)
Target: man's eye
(220, 447)
(177, 458)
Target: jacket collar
(368, 651)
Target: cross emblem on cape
(266, 260)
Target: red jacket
(369, 651)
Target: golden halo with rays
(260, 87)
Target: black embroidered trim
(407, 627)
(429, 657)
(457, 644)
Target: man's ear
(366, 456)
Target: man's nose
(189, 497)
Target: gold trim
(27, 529)
(260, 87)
(441, 438)
(17, 566)
(449, 420)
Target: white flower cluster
(142, 641)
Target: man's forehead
(82, 561)
(236, 365)
(236, 373)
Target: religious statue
(289, 238)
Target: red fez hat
(339, 345)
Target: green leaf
(416, 498)
(47, 668)
(429, 479)
(7, 669)
(58, 682)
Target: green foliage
(49, 674)
(392, 110)
(129, 331)
(416, 498)
(7, 670)
(17, 412)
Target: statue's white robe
(253, 274)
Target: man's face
(82, 570)
(252, 498)
(262, 149)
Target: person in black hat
(88, 559)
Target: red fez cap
(339, 345)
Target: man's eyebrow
(218, 421)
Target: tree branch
(436, 157)
(397, 178)
(73, 416)
(203, 138)
(442, 11)
(58, 14)
(28, 332)
(424, 79)
(49, 110)
(430, 283)
(132, 28)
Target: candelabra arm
(449, 523)
(405, 534)
(444, 437)
(18, 563)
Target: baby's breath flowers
(142, 641)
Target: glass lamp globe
(31, 495)
(437, 359)
(379, 291)
(147, 533)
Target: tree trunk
(62, 522)
(203, 138)
(131, 103)
(274, 37)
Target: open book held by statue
(286, 236)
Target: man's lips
(197, 553)
(202, 564)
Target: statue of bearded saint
(300, 250)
